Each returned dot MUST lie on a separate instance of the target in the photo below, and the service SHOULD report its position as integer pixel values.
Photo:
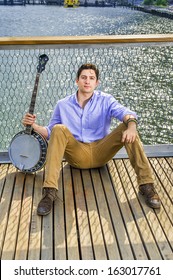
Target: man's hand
(28, 119)
(129, 135)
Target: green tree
(161, 2)
(148, 2)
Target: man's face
(87, 81)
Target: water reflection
(55, 20)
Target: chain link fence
(138, 75)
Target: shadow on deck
(99, 215)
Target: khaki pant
(62, 144)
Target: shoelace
(150, 191)
(48, 191)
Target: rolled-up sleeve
(119, 111)
(55, 119)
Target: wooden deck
(99, 215)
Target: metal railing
(136, 69)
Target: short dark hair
(88, 66)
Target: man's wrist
(34, 126)
(130, 120)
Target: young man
(79, 132)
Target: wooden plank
(133, 216)
(161, 225)
(70, 217)
(166, 169)
(131, 189)
(115, 211)
(5, 204)
(159, 235)
(97, 39)
(155, 227)
(106, 223)
(94, 221)
(121, 206)
(104, 215)
(118, 223)
(24, 225)
(47, 237)
(34, 246)
(14, 218)
(3, 174)
(164, 187)
(170, 161)
(47, 249)
(82, 217)
(165, 215)
(59, 223)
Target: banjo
(27, 150)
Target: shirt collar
(75, 97)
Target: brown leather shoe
(46, 203)
(151, 197)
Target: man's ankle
(46, 203)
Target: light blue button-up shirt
(92, 122)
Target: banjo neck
(41, 66)
(28, 129)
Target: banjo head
(27, 152)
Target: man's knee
(59, 129)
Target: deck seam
(131, 209)
(87, 211)
(109, 211)
(99, 216)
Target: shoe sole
(45, 214)
(153, 206)
(148, 204)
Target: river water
(139, 77)
(43, 20)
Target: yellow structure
(71, 3)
